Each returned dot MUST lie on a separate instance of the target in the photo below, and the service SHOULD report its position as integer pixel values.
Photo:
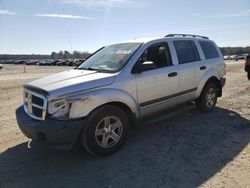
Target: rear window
(186, 51)
(209, 49)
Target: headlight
(59, 109)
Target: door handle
(172, 74)
(203, 67)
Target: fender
(209, 74)
(82, 105)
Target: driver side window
(159, 54)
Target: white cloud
(241, 13)
(6, 12)
(196, 14)
(233, 43)
(104, 3)
(64, 16)
(237, 14)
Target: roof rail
(186, 35)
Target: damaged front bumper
(60, 134)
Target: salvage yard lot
(189, 149)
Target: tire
(208, 98)
(248, 75)
(105, 131)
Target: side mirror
(145, 66)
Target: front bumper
(223, 82)
(59, 134)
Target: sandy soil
(189, 149)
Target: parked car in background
(53, 62)
(70, 63)
(78, 62)
(241, 56)
(9, 62)
(41, 63)
(20, 62)
(245, 55)
(62, 62)
(2, 61)
(45, 62)
(233, 57)
(32, 62)
(247, 66)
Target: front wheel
(208, 98)
(105, 131)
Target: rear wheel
(208, 98)
(105, 131)
(248, 75)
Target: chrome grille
(35, 105)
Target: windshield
(110, 58)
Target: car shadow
(181, 151)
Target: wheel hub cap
(108, 131)
(210, 97)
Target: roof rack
(186, 35)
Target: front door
(157, 88)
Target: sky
(43, 26)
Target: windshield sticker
(123, 52)
(119, 57)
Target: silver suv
(97, 102)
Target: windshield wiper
(95, 69)
(89, 68)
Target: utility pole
(70, 42)
(24, 68)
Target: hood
(70, 81)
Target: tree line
(84, 54)
(54, 55)
(235, 50)
(67, 55)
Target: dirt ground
(188, 149)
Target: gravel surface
(188, 149)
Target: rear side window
(186, 51)
(209, 49)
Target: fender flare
(212, 73)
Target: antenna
(70, 42)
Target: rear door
(189, 63)
(212, 58)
